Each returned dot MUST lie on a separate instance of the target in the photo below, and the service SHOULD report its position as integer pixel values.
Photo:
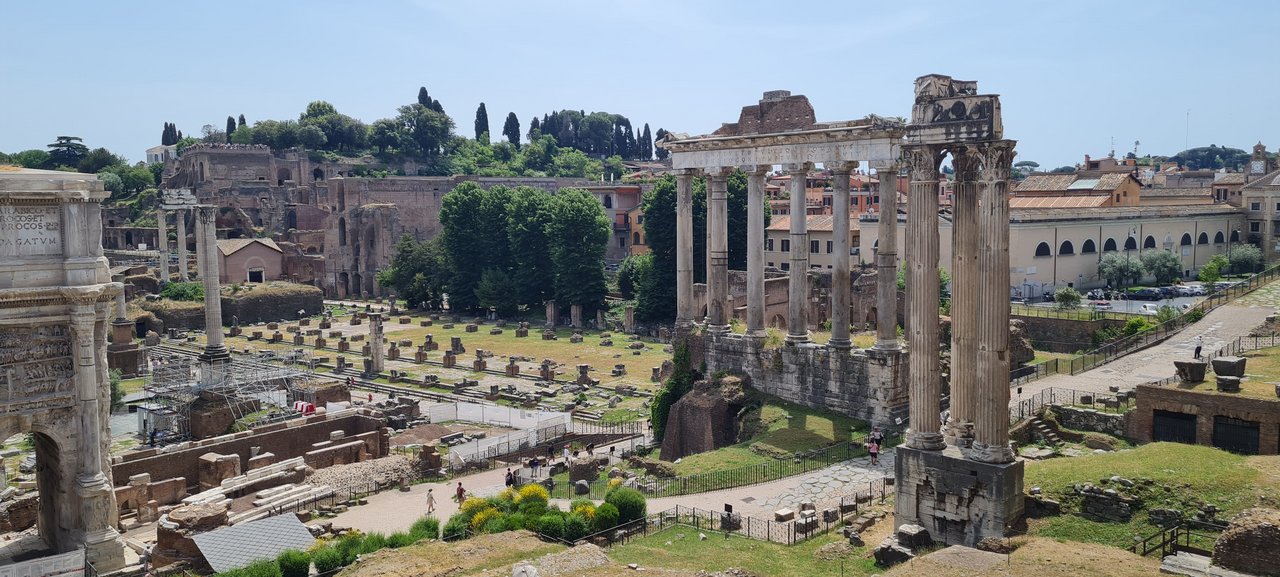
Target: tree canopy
(1120, 270)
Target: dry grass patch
(1037, 558)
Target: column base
(718, 329)
(888, 345)
(757, 333)
(958, 434)
(926, 441)
(957, 500)
(840, 343)
(984, 453)
(103, 547)
(798, 339)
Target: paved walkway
(1217, 328)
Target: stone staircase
(1192, 565)
(1046, 431)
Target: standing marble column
(925, 387)
(991, 404)
(887, 260)
(717, 250)
(840, 254)
(798, 287)
(162, 244)
(93, 489)
(964, 287)
(755, 250)
(684, 248)
(215, 352)
(180, 216)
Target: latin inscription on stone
(36, 369)
(30, 230)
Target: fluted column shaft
(755, 251)
(798, 287)
(922, 294)
(684, 248)
(717, 250)
(991, 408)
(887, 260)
(840, 255)
(162, 244)
(181, 217)
(964, 290)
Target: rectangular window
(1255, 227)
(786, 266)
(786, 247)
(829, 245)
(1255, 206)
(813, 247)
(768, 244)
(622, 242)
(1278, 206)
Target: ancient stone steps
(1045, 432)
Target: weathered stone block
(1229, 366)
(1228, 384)
(1190, 371)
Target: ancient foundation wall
(285, 440)
(1063, 335)
(1079, 419)
(866, 384)
(959, 501)
(1205, 406)
(260, 305)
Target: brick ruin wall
(267, 305)
(1206, 405)
(1064, 335)
(1080, 419)
(865, 384)
(295, 438)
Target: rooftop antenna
(1135, 148)
(1186, 139)
(1113, 147)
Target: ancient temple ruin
(780, 130)
(56, 302)
(964, 484)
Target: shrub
(584, 508)
(630, 504)
(479, 520)
(261, 568)
(534, 491)
(474, 505)
(575, 527)
(615, 482)
(1194, 315)
(495, 525)
(294, 563)
(606, 517)
(373, 542)
(183, 291)
(516, 521)
(456, 528)
(533, 507)
(349, 546)
(551, 525)
(399, 539)
(327, 559)
(425, 528)
(1136, 325)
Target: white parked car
(1149, 309)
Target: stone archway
(871, 317)
(291, 219)
(317, 174)
(282, 175)
(344, 285)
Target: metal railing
(1031, 406)
(1184, 536)
(1079, 314)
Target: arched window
(1089, 247)
(1218, 238)
(317, 174)
(635, 238)
(342, 232)
(1186, 240)
(608, 201)
(1109, 246)
(1043, 249)
(1235, 236)
(1150, 242)
(1132, 244)
(1066, 248)
(1204, 238)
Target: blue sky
(1071, 75)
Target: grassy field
(1046, 356)
(131, 386)
(1194, 476)
(667, 549)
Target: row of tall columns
(162, 228)
(887, 260)
(979, 422)
(798, 288)
(924, 382)
(840, 248)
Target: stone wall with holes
(865, 384)
(1079, 419)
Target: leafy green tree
(579, 233)
(1120, 270)
(482, 124)
(1067, 298)
(527, 228)
(112, 183)
(1245, 258)
(1163, 265)
(1063, 170)
(417, 272)
(67, 151)
(117, 391)
(496, 291)
(535, 129)
(659, 152)
(572, 163)
(680, 382)
(427, 130)
(384, 134)
(646, 144)
(473, 224)
(511, 129)
(243, 135)
(31, 159)
(656, 301)
(231, 127)
(97, 159)
(317, 109)
(613, 168)
(1212, 271)
(240, 122)
(631, 274)
(311, 136)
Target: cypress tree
(646, 144)
(482, 123)
(231, 127)
(511, 129)
(241, 121)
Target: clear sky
(1072, 74)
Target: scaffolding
(245, 384)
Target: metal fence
(771, 470)
(1192, 536)
(1080, 314)
(1031, 406)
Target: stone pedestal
(1190, 371)
(123, 353)
(575, 315)
(959, 501)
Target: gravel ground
(351, 476)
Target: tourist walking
(461, 493)
(873, 448)
(511, 478)
(533, 466)
(1199, 345)
(877, 435)
(566, 454)
(431, 501)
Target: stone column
(552, 314)
(755, 250)
(162, 244)
(887, 260)
(991, 404)
(798, 287)
(717, 250)
(684, 248)
(925, 387)
(964, 295)
(181, 217)
(96, 497)
(215, 352)
(840, 254)
(375, 343)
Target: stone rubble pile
(345, 478)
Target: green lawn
(1195, 475)
(1046, 356)
(758, 557)
(131, 386)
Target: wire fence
(771, 470)
(1031, 406)
(1079, 314)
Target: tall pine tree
(511, 129)
(231, 127)
(646, 144)
(658, 151)
(482, 124)
(241, 121)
